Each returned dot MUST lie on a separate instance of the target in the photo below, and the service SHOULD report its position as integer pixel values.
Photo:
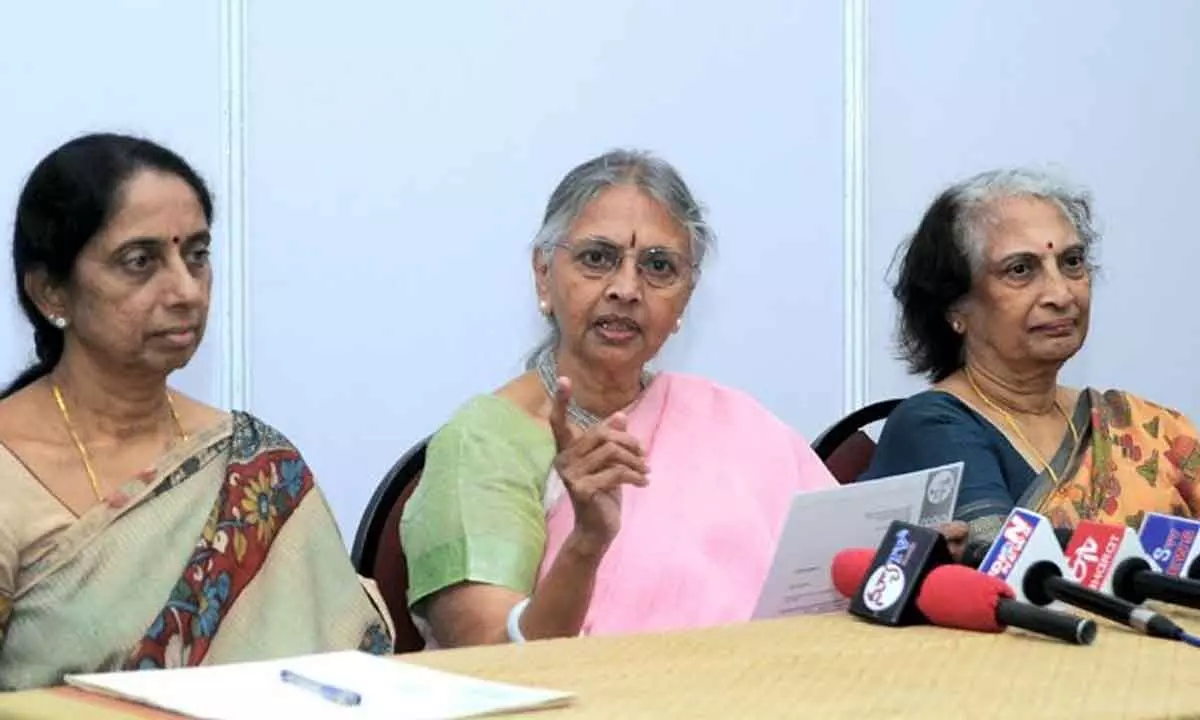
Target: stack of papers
(386, 688)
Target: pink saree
(695, 545)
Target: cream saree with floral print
(226, 551)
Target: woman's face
(1029, 302)
(139, 292)
(619, 282)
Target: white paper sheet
(252, 691)
(824, 522)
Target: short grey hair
(977, 196)
(654, 176)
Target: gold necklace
(83, 453)
(1012, 423)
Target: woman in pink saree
(589, 495)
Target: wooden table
(830, 666)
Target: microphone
(849, 569)
(1026, 555)
(1111, 559)
(1171, 544)
(906, 555)
(959, 597)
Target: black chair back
(378, 552)
(844, 448)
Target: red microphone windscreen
(849, 569)
(959, 597)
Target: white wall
(138, 66)
(399, 158)
(1107, 91)
(381, 168)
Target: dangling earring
(544, 307)
(58, 321)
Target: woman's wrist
(513, 627)
(561, 599)
(584, 547)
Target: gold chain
(83, 453)
(1012, 423)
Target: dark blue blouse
(935, 428)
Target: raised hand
(593, 465)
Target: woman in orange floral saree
(995, 295)
(225, 551)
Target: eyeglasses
(660, 267)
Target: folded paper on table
(251, 691)
(822, 522)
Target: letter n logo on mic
(1008, 546)
(1025, 540)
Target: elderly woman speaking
(995, 291)
(587, 495)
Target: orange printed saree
(1135, 457)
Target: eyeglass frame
(686, 263)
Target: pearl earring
(958, 327)
(678, 324)
(58, 321)
(544, 307)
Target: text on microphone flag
(1091, 551)
(885, 585)
(901, 549)
(1010, 543)
(1168, 540)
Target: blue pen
(329, 692)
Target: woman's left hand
(956, 533)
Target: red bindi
(1049, 246)
(176, 240)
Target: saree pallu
(695, 545)
(1133, 457)
(224, 552)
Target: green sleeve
(477, 514)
